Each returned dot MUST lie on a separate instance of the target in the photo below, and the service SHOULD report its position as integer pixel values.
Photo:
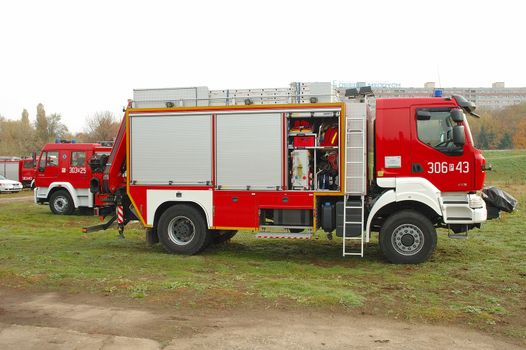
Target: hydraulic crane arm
(116, 165)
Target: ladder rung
(352, 222)
(355, 254)
(355, 147)
(353, 207)
(358, 238)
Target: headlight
(475, 201)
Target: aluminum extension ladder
(355, 177)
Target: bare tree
(102, 126)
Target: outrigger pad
(499, 199)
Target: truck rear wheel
(61, 203)
(407, 237)
(183, 230)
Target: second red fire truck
(197, 165)
(63, 175)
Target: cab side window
(52, 159)
(435, 129)
(78, 159)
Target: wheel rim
(181, 230)
(407, 239)
(60, 204)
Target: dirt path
(51, 321)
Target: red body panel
(235, 209)
(241, 208)
(396, 136)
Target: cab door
(48, 169)
(434, 156)
(77, 168)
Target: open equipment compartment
(313, 140)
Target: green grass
(508, 167)
(479, 282)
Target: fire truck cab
(63, 176)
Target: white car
(9, 185)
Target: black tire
(221, 236)
(182, 229)
(61, 203)
(407, 237)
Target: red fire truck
(21, 170)
(63, 176)
(196, 166)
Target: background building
(496, 96)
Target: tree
(41, 129)
(519, 138)
(506, 142)
(26, 135)
(102, 126)
(55, 128)
(25, 119)
(485, 138)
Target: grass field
(479, 282)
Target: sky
(79, 58)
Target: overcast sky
(78, 58)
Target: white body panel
(171, 148)
(454, 208)
(82, 197)
(155, 198)
(249, 150)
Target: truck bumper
(463, 209)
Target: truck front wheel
(61, 203)
(183, 230)
(407, 237)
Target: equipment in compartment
(301, 125)
(301, 170)
(304, 141)
(328, 134)
(327, 170)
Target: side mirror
(459, 137)
(423, 115)
(457, 115)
